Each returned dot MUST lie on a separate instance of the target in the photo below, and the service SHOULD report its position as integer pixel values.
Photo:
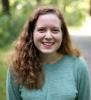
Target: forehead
(48, 19)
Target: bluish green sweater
(67, 79)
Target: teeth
(47, 43)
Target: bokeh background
(13, 14)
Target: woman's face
(47, 34)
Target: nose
(48, 35)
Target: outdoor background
(13, 14)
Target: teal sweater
(67, 79)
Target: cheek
(58, 38)
(61, 36)
(37, 37)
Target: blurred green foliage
(10, 26)
(3, 70)
(9, 29)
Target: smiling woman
(45, 66)
(47, 34)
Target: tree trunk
(54, 2)
(90, 8)
(5, 7)
(38, 2)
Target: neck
(50, 58)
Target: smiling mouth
(47, 44)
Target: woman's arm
(83, 81)
(12, 90)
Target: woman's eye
(41, 30)
(55, 30)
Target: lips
(47, 44)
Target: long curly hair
(26, 64)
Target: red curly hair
(26, 65)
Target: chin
(47, 52)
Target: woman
(45, 65)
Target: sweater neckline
(57, 62)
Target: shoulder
(79, 64)
(77, 61)
(80, 68)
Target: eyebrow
(51, 27)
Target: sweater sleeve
(83, 80)
(12, 90)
